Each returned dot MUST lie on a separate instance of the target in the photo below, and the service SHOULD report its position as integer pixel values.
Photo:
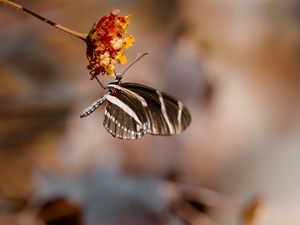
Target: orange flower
(106, 44)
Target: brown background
(235, 64)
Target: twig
(81, 36)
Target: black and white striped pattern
(134, 110)
(92, 107)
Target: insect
(133, 110)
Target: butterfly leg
(87, 111)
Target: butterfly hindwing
(124, 116)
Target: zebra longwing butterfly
(133, 110)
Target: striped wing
(163, 114)
(125, 116)
(166, 115)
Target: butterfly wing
(124, 116)
(165, 115)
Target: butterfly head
(119, 76)
(118, 79)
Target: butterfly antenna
(137, 59)
(120, 75)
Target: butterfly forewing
(165, 115)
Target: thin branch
(81, 36)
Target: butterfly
(133, 110)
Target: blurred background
(234, 63)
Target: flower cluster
(106, 44)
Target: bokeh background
(234, 63)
